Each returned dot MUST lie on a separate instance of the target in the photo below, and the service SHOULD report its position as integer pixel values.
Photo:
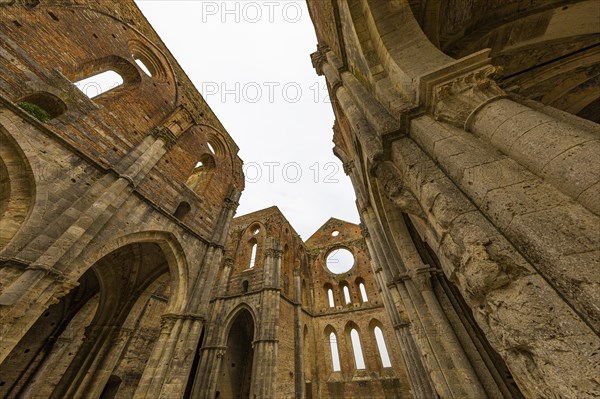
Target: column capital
(348, 166)
(318, 58)
(457, 101)
(274, 253)
(364, 230)
(230, 204)
(454, 93)
(164, 134)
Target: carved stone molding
(172, 317)
(230, 204)
(457, 100)
(318, 58)
(165, 135)
(348, 166)
(396, 191)
(274, 253)
(365, 231)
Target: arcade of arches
(469, 131)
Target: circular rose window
(340, 261)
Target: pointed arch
(17, 187)
(172, 251)
(331, 337)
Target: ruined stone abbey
(469, 130)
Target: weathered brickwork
(284, 291)
(110, 226)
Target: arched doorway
(236, 369)
(80, 346)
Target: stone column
(168, 368)
(50, 276)
(532, 189)
(264, 368)
(97, 342)
(367, 135)
(503, 291)
(298, 337)
(419, 376)
(95, 379)
(466, 96)
(211, 354)
(205, 384)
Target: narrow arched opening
(182, 209)
(335, 353)
(253, 252)
(111, 388)
(42, 105)
(382, 347)
(359, 360)
(202, 173)
(236, 367)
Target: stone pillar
(95, 380)
(367, 135)
(168, 368)
(206, 381)
(211, 354)
(555, 150)
(298, 337)
(519, 187)
(264, 368)
(430, 374)
(97, 342)
(506, 301)
(50, 276)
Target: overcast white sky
(251, 62)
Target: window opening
(99, 83)
(253, 255)
(142, 66)
(330, 297)
(363, 292)
(347, 294)
(383, 352)
(357, 349)
(335, 355)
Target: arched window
(202, 173)
(357, 349)
(335, 355)
(363, 292)
(142, 66)
(383, 352)
(347, 298)
(330, 298)
(43, 106)
(100, 83)
(253, 254)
